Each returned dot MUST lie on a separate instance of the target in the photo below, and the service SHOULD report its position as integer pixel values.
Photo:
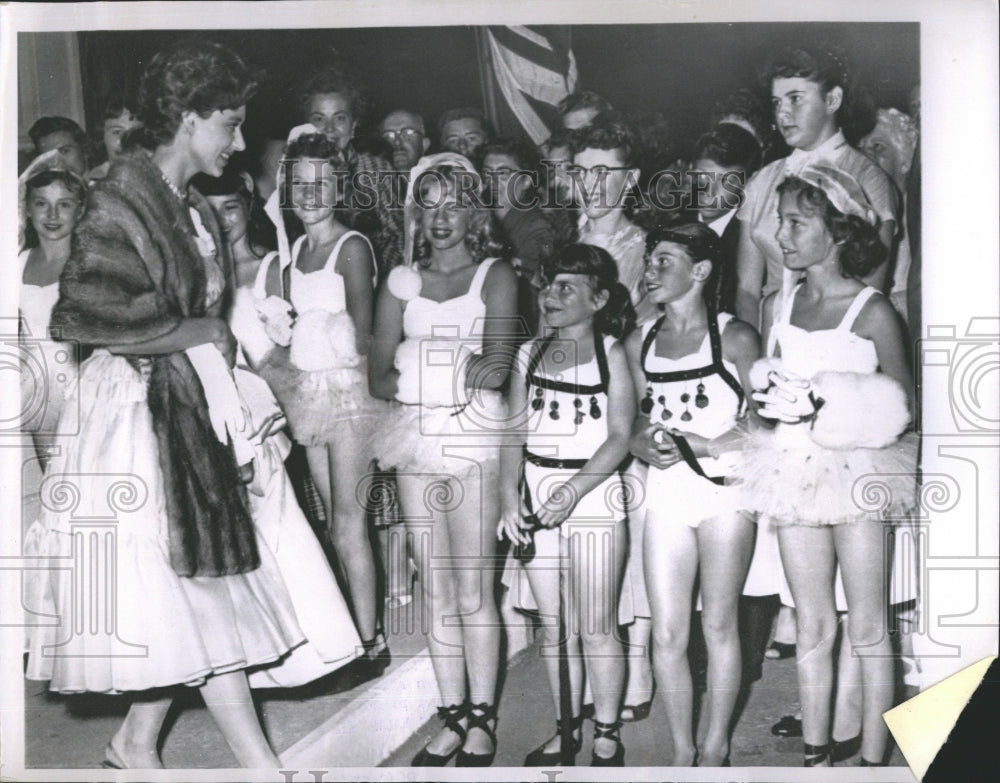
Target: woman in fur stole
(834, 469)
(200, 597)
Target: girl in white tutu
(442, 348)
(563, 492)
(691, 369)
(317, 307)
(838, 384)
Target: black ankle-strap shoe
(608, 731)
(479, 717)
(540, 758)
(451, 715)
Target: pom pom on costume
(322, 340)
(404, 283)
(276, 313)
(432, 373)
(861, 411)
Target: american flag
(534, 68)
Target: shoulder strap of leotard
(847, 322)
(716, 325)
(478, 279)
(783, 316)
(600, 354)
(260, 282)
(335, 253)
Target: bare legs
(228, 699)
(673, 554)
(338, 473)
(453, 522)
(809, 555)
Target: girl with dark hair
(146, 286)
(839, 385)
(562, 489)
(442, 348)
(328, 280)
(809, 91)
(691, 372)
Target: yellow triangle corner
(921, 725)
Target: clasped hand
(790, 398)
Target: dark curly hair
(333, 78)
(481, 238)
(861, 248)
(610, 131)
(617, 317)
(260, 229)
(316, 146)
(72, 182)
(824, 64)
(701, 244)
(193, 75)
(730, 146)
(585, 99)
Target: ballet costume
(441, 427)
(850, 462)
(567, 423)
(698, 393)
(321, 381)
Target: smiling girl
(320, 380)
(691, 371)
(562, 490)
(444, 329)
(838, 383)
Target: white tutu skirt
(790, 480)
(113, 614)
(320, 404)
(445, 440)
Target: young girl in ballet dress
(691, 371)
(572, 409)
(318, 301)
(838, 384)
(442, 348)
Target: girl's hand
(698, 444)
(654, 446)
(790, 398)
(512, 524)
(559, 505)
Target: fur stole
(133, 275)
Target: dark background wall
(677, 69)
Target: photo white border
(961, 268)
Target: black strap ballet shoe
(842, 750)
(815, 755)
(451, 715)
(540, 758)
(479, 717)
(608, 731)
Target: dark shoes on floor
(788, 726)
(608, 731)
(477, 716)
(450, 715)
(540, 758)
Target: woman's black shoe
(788, 726)
(451, 716)
(608, 731)
(540, 758)
(372, 663)
(479, 717)
(843, 750)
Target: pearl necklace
(173, 188)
